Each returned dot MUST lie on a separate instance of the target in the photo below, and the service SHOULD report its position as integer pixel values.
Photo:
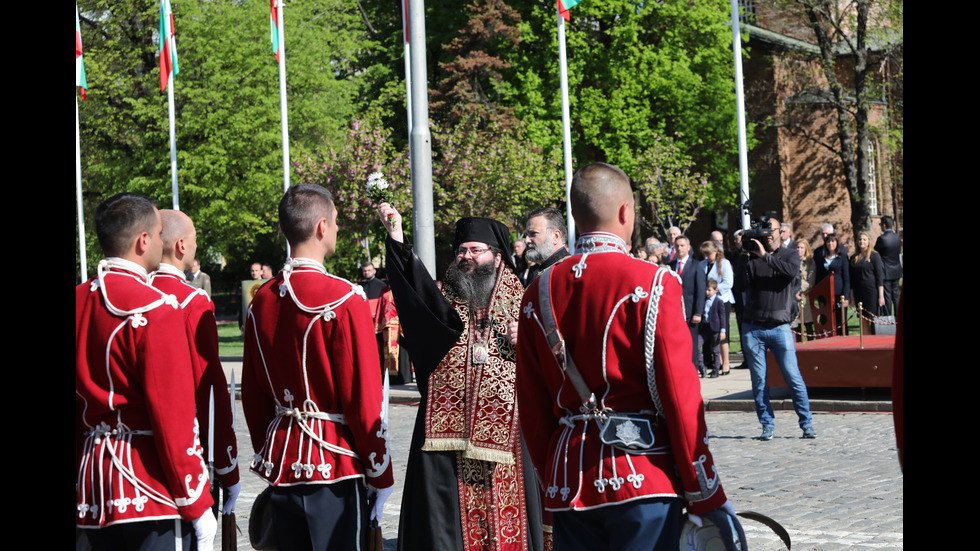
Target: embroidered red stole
(471, 406)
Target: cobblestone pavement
(843, 490)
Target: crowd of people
(607, 450)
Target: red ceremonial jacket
(311, 383)
(209, 377)
(615, 313)
(137, 452)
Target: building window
(872, 190)
(747, 13)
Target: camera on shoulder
(760, 228)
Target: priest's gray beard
(536, 254)
(475, 287)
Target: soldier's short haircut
(596, 190)
(301, 207)
(122, 218)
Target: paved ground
(843, 490)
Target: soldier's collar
(600, 242)
(116, 263)
(295, 263)
(131, 269)
(168, 269)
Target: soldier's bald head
(176, 225)
(598, 191)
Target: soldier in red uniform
(620, 321)
(141, 481)
(311, 389)
(213, 402)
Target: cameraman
(765, 279)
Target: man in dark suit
(786, 235)
(692, 284)
(199, 279)
(889, 246)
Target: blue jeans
(779, 339)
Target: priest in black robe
(469, 483)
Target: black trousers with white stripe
(321, 517)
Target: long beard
(537, 254)
(476, 287)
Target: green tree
(227, 108)
(637, 70)
(673, 191)
(344, 171)
(495, 173)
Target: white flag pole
(283, 109)
(408, 67)
(565, 124)
(78, 196)
(420, 146)
(743, 162)
(282, 97)
(173, 142)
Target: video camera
(760, 228)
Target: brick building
(792, 170)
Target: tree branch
(806, 134)
(364, 16)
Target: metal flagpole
(421, 143)
(743, 162)
(283, 110)
(282, 97)
(173, 142)
(408, 67)
(80, 81)
(566, 125)
(169, 65)
(78, 196)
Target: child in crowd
(712, 329)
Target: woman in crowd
(808, 278)
(867, 276)
(835, 263)
(718, 268)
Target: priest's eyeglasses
(474, 251)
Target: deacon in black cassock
(469, 483)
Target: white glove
(233, 492)
(205, 528)
(696, 519)
(379, 503)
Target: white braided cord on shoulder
(649, 338)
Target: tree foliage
(640, 72)
(472, 85)
(636, 70)
(344, 171)
(227, 108)
(855, 40)
(674, 192)
(496, 173)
